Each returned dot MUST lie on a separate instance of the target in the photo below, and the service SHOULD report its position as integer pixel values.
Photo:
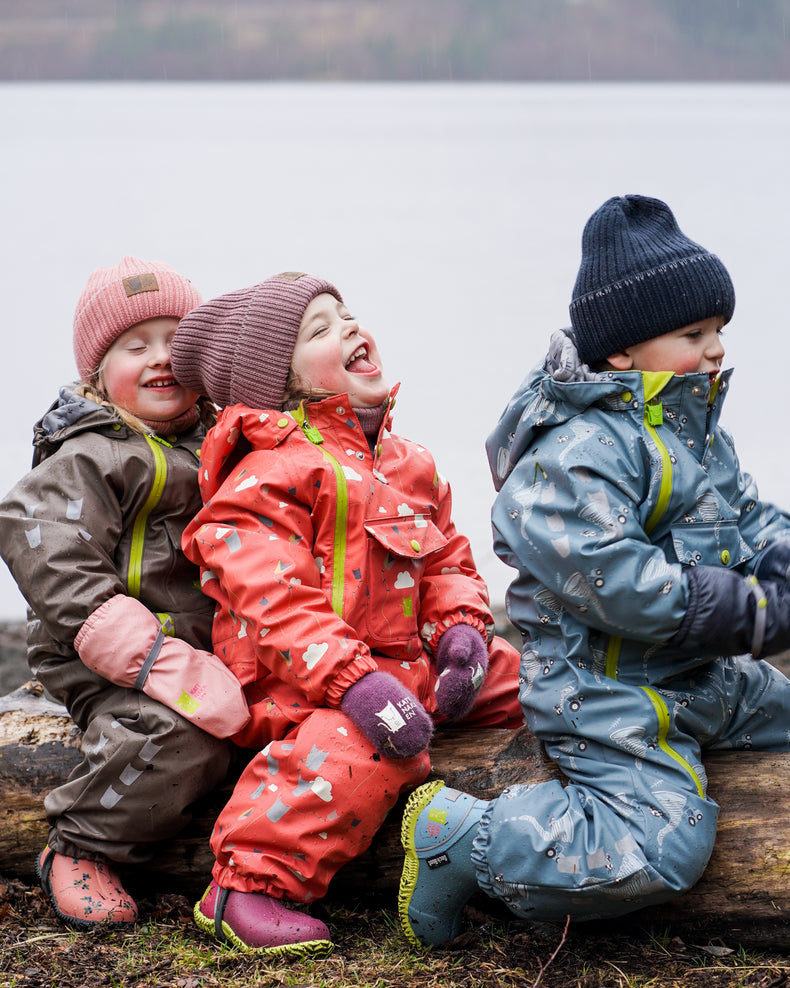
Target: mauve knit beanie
(114, 299)
(237, 348)
(641, 277)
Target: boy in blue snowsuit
(651, 581)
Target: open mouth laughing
(359, 363)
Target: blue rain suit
(610, 486)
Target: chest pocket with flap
(398, 551)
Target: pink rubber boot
(254, 921)
(84, 893)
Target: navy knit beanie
(641, 277)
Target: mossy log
(745, 886)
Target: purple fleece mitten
(388, 715)
(462, 662)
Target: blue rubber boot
(439, 826)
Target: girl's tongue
(361, 365)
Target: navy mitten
(774, 563)
(729, 614)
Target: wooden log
(38, 748)
(745, 886)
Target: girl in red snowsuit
(347, 604)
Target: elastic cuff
(92, 620)
(450, 622)
(760, 616)
(480, 850)
(227, 878)
(359, 667)
(59, 845)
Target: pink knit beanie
(238, 348)
(116, 298)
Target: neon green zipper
(134, 576)
(653, 382)
(341, 511)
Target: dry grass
(165, 950)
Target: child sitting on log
(651, 581)
(347, 603)
(118, 627)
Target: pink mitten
(388, 715)
(123, 642)
(462, 663)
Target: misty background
(396, 40)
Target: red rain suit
(327, 562)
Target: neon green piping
(663, 730)
(135, 573)
(341, 512)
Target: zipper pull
(312, 433)
(158, 439)
(655, 414)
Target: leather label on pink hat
(140, 283)
(291, 275)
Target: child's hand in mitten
(388, 715)
(124, 642)
(729, 614)
(774, 563)
(462, 663)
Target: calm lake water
(449, 216)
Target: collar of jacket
(240, 429)
(543, 402)
(686, 397)
(336, 412)
(621, 391)
(70, 415)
